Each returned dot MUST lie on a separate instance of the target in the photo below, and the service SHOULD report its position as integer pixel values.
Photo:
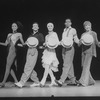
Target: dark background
(44, 11)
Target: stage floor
(66, 91)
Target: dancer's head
(68, 23)
(50, 27)
(16, 26)
(87, 25)
(35, 26)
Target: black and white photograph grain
(50, 49)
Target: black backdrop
(44, 11)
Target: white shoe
(19, 84)
(53, 84)
(34, 84)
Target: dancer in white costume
(49, 59)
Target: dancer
(32, 55)
(68, 37)
(49, 59)
(11, 40)
(88, 41)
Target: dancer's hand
(3, 44)
(41, 47)
(99, 44)
(80, 42)
(59, 42)
(20, 45)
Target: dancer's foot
(73, 83)
(18, 84)
(79, 84)
(2, 85)
(42, 85)
(53, 84)
(92, 84)
(59, 83)
(35, 85)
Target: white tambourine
(52, 43)
(87, 39)
(32, 42)
(67, 42)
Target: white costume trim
(49, 55)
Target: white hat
(32, 42)
(87, 39)
(52, 43)
(67, 42)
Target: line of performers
(50, 63)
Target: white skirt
(49, 57)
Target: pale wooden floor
(67, 91)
